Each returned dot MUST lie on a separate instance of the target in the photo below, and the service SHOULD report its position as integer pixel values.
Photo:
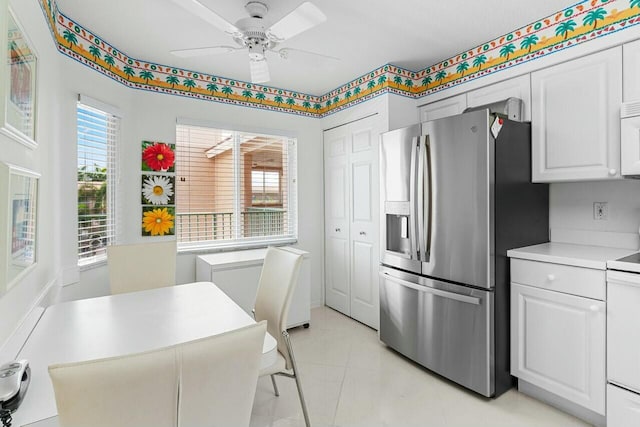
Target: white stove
(629, 263)
(623, 341)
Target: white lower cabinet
(558, 339)
(237, 274)
(623, 407)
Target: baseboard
(561, 403)
(12, 346)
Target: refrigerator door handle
(425, 209)
(422, 254)
(434, 291)
(412, 201)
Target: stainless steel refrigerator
(456, 194)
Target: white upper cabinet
(576, 119)
(631, 71)
(444, 108)
(518, 87)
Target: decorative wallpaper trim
(584, 21)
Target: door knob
(612, 172)
(551, 277)
(594, 308)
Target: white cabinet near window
(351, 219)
(518, 87)
(443, 108)
(576, 119)
(237, 274)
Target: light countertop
(569, 254)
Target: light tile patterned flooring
(351, 379)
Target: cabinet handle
(594, 308)
(551, 277)
(337, 230)
(363, 233)
(612, 172)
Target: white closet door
(336, 207)
(365, 254)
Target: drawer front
(623, 407)
(580, 281)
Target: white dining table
(122, 324)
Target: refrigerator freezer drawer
(442, 326)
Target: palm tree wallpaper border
(584, 21)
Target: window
(234, 188)
(97, 136)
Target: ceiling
(363, 34)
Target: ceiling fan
(250, 33)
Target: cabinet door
(336, 208)
(364, 220)
(558, 344)
(576, 119)
(630, 145)
(444, 108)
(631, 65)
(519, 87)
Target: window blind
(96, 141)
(234, 188)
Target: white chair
(275, 289)
(209, 382)
(141, 266)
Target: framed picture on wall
(19, 76)
(18, 217)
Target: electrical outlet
(600, 211)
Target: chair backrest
(277, 283)
(141, 266)
(136, 390)
(219, 378)
(209, 382)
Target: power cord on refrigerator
(5, 417)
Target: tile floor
(351, 379)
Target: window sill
(199, 248)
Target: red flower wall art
(158, 156)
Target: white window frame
(292, 192)
(113, 205)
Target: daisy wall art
(157, 190)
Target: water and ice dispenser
(398, 231)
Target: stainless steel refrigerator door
(398, 186)
(442, 326)
(457, 199)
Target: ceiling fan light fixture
(259, 71)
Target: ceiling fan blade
(202, 11)
(289, 52)
(259, 71)
(203, 51)
(302, 18)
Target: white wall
(45, 159)
(151, 116)
(571, 212)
